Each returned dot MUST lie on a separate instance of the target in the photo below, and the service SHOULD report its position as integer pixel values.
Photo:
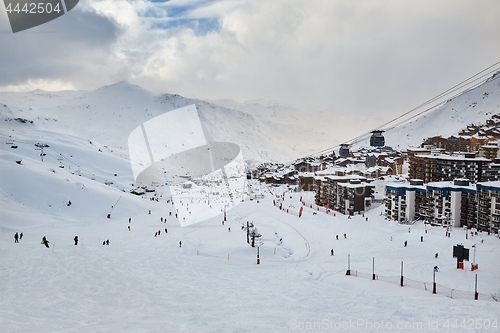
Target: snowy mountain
(107, 116)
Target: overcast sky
(361, 56)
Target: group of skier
(17, 237)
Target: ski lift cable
(447, 92)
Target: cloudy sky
(362, 56)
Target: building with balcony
(488, 206)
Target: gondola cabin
(344, 150)
(377, 139)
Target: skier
(166, 231)
(180, 244)
(69, 203)
(345, 236)
(337, 237)
(16, 238)
(150, 212)
(161, 219)
(107, 241)
(45, 242)
(156, 233)
(76, 240)
(229, 229)
(159, 231)
(406, 243)
(104, 243)
(436, 269)
(436, 255)
(21, 235)
(129, 220)
(128, 228)
(331, 252)
(421, 238)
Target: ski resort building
(488, 197)
(347, 194)
(437, 167)
(458, 203)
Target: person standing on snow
(76, 240)
(45, 242)
(21, 235)
(16, 238)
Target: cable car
(377, 139)
(344, 150)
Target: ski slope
(143, 283)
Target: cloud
(364, 57)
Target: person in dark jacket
(76, 240)
(16, 238)
(45, 242)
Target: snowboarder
(406, 243)
(21, 235)
(45, 242)
(332, 252)
(76, 240)
(16, 238)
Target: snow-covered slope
(472, 107)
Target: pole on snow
(476, 295)
(373, 269)
(434, 281)
(402, 278)
(348, 272)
